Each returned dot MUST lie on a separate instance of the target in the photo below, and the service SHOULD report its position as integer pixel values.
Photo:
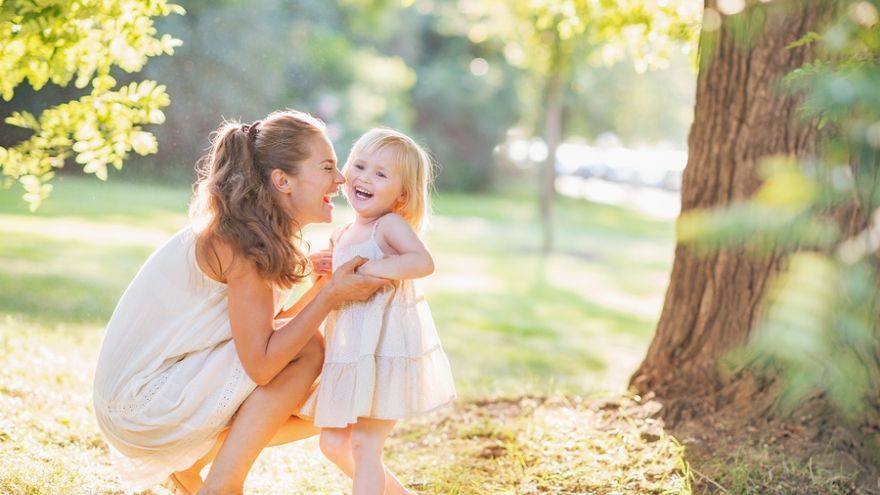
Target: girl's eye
(381, 174)
(359, 167)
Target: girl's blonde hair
(415, 166)
(235, 203)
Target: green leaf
(80, 41)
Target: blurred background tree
(412, 65)
(556, 42)
(57, 41)
(778, 239)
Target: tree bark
(552, 137)
(740, 117)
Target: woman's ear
(280, 181)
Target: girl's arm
(412, 259)
(264, 351)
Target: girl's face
(373, 183)
(308, 193)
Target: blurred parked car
(648, 167)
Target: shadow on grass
(545, 338)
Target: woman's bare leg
(336, 445)
(294, 429)
(263, 417)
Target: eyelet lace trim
(132, 407)
(221, 414)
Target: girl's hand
(348, 285)
(322, 265)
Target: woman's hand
(348, 285)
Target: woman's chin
(326, 215)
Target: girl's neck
(363, 221)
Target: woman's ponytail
(233, 199)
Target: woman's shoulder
(219, 260)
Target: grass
(760, 470)
(541, 348)
(515, 324)
(513, 321)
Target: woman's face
(316, 183)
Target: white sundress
(383, 358)
(168, 378)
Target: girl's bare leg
(336, 445)
(365, 467)
(264, 417)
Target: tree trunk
(552, 138)
(740, 117)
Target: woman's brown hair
(235, 203)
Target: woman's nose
(339, 178)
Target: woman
(199, 363)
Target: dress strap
(376, 226)
(334, 239)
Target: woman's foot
(185, 482)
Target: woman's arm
(322, 270)
(264, 351)
(306, 298)
(412, 259)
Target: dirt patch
(806, 453)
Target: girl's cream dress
(383, 357)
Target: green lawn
(513, 321)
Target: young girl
(383, 360)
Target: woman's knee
(303, 369)
(312, 355)
(335, 442)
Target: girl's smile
(373, 183)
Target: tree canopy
(59, 41)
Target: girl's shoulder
(395, 234)
(393, 226)
(337, 234)
(392, 221)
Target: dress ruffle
(406, 386)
